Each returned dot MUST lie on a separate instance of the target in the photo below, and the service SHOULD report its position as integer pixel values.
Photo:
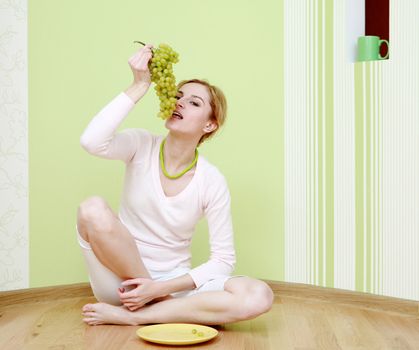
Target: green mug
(369, 48)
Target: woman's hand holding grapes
(141, 74)
(139, 65)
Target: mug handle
(388, 49)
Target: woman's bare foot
(101, 313)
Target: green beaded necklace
(190, 166)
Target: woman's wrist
(136, 91)
(177, 284)
(165, 288)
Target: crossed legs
(243, 297)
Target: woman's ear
(210, 127)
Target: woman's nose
(179, 103)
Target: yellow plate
(177, 333)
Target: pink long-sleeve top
(163, 226)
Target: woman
(139, 260)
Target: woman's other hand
(145, 291)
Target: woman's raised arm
(100, 137)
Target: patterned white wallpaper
(14, 245)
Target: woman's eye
(177, 97)
(195, 103)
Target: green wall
(78, 54)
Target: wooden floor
(295, 322)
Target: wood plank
(292, 323)
(296, 290)
(32, 295)
(347, 297)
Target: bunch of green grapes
(161, 68)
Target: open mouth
(177, 115)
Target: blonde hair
(218, 105)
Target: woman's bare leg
(110, 240)
(243, 298)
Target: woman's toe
(88, 307)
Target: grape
(161, 68)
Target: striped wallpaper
(351, 154)
(368, 177)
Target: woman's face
(192, 114)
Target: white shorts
(105, 283)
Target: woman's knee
(255, 296)
(263, 297)
(94, 212)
